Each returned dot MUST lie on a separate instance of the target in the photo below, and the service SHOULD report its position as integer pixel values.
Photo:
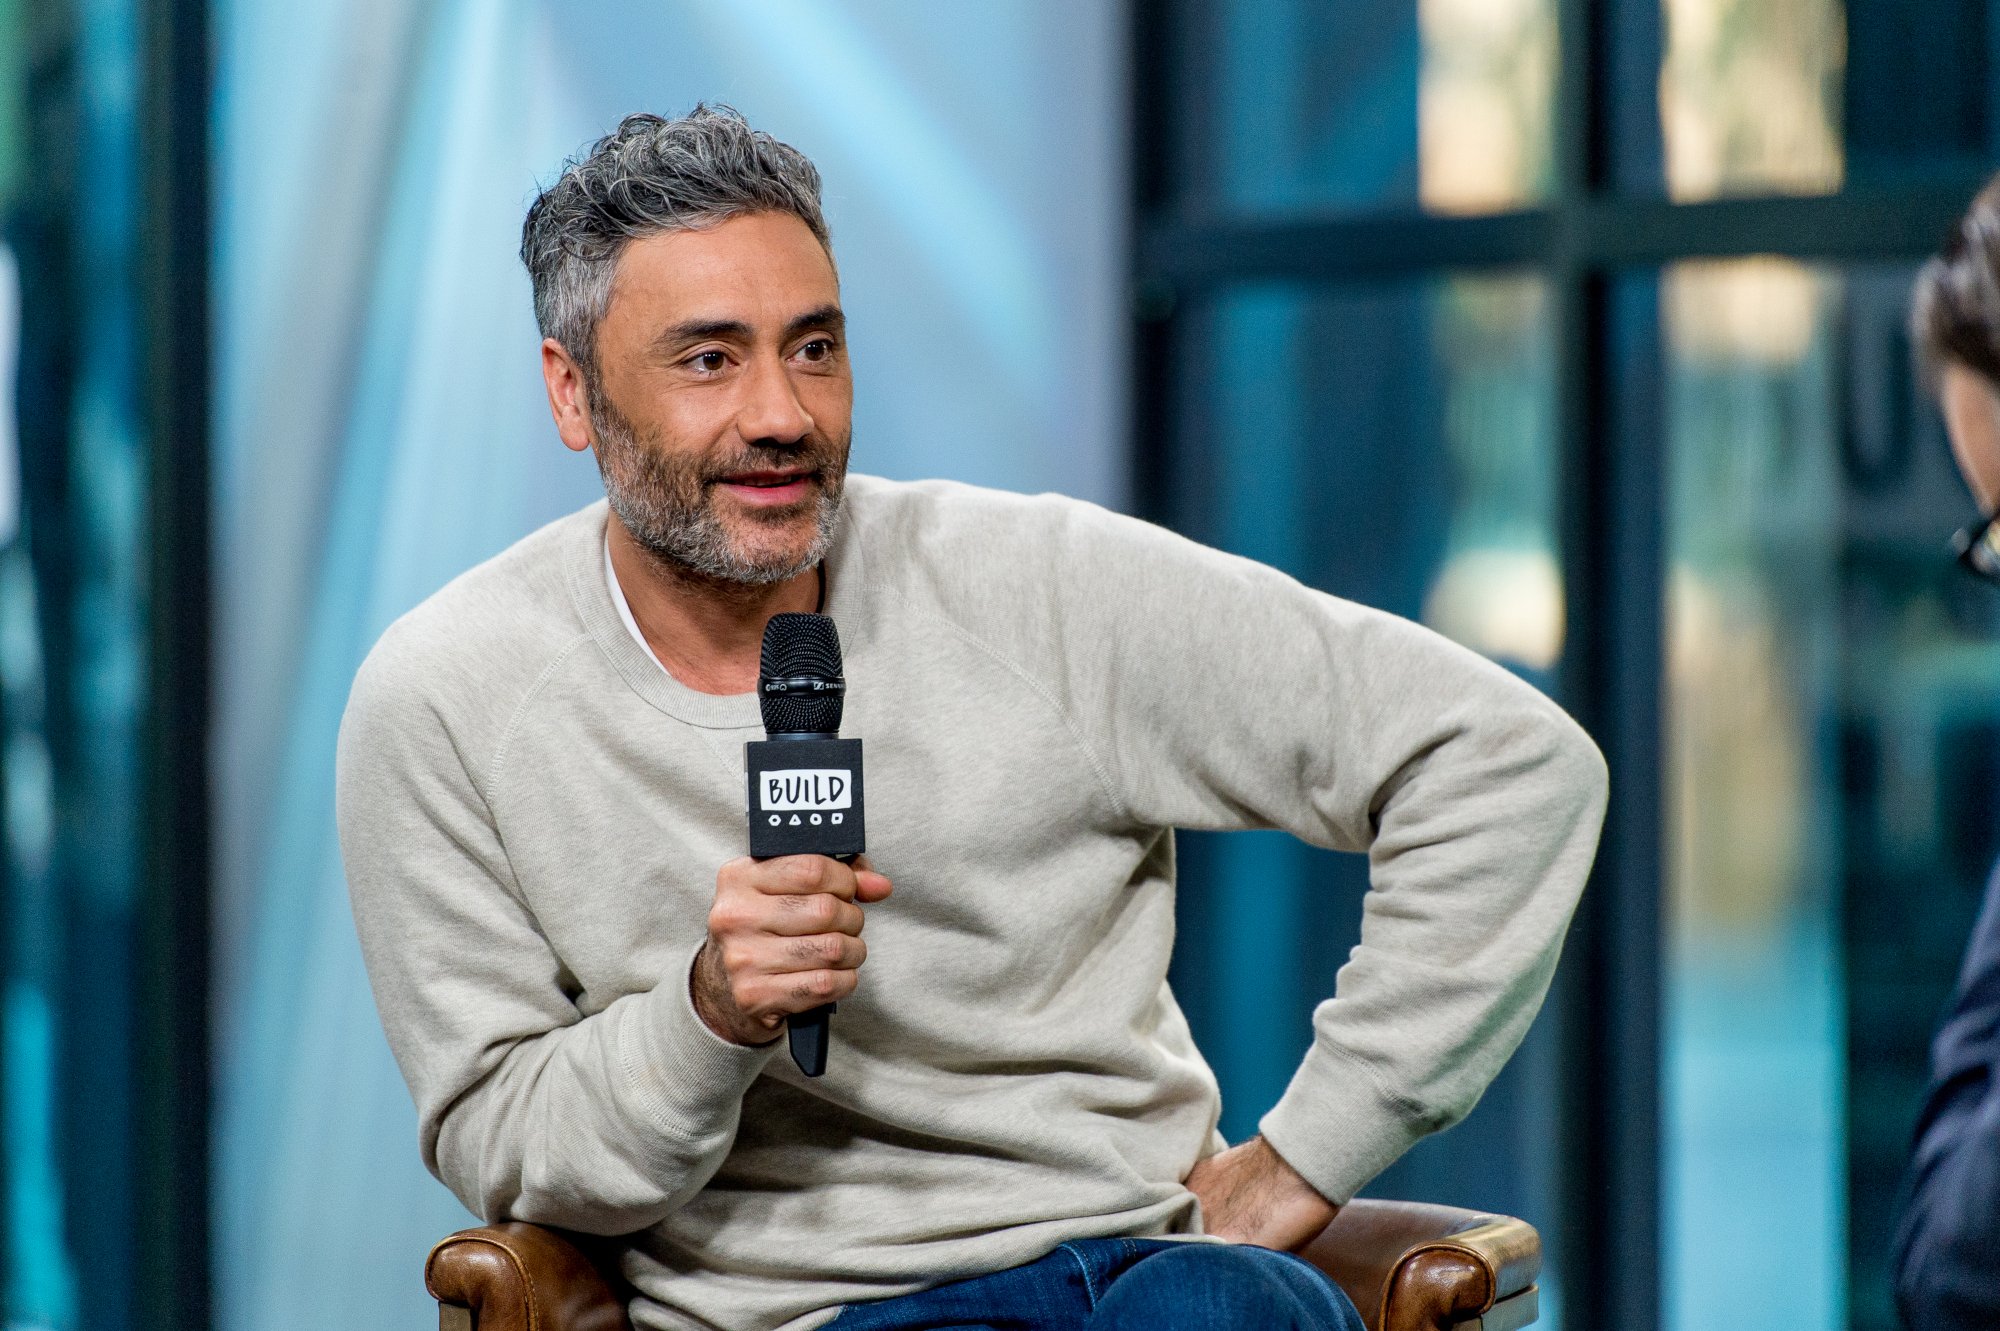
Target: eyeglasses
(1978, 548)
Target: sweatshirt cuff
(1336, 1125)
(687, 1076)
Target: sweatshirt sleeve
(528, 1108)
(1947, 1276)
(1222, 694)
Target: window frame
(1590, 230)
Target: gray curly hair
(647, 176)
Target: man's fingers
(802, 875)
(748, 958)
(799, 991)
(820, 913)
(833, 951)
(785, 934)
(869, 885)
(821, 986)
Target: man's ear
(569, 401)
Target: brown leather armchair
(1408, 1266)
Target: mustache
(813, 453)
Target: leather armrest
(1411, 1266)
(520, 1277)
(1408, 1266)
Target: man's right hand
(784, 936)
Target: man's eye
(820, 348)
(708, 362)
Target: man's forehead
(769, 263)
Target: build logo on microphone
(805, 797)
(807, 794)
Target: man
(542, 812)
(1948, 1244)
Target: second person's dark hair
(1955, 308)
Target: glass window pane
(74, 609)
(1753, 1006)
(1716, 98)
(1833, 721)
(1391, 443)
(1920, 97)
(1442, 104)
(1749, 97)
(1485, 96)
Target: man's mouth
(775, 486)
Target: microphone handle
(807, 756)
(808, 1034)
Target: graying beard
(700, 544)
(689, 535)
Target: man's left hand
(1250, 1195)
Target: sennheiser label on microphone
(805, 797)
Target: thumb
(869, 886)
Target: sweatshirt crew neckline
(608, 618)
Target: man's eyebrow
(696, 330)
(828, 317)
(677, 335)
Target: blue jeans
(1125, 1285)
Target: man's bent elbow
(1574, 763)
(1593, 773)
(535, 1176)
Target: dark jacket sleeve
(1948, 1244)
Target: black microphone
(805, 781)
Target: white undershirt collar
(625, 608)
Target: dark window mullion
(1587, 233)
(171, 1124)
(1607, 1250)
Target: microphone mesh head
(800, 647)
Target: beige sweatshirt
(532, 814)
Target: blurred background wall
(1571, 327)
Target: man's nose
(771, 408)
